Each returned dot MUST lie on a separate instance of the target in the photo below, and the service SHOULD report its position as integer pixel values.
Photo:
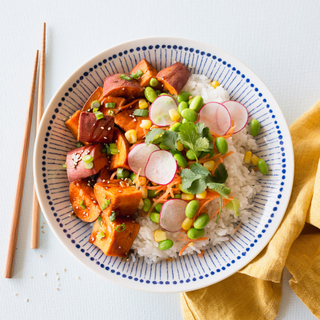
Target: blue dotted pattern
(81, 90)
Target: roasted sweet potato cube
(114, 238)
(93, 130)
(148, 72)
(126, 121)
(104, 175)
(96, 95)
(83, 201)
(117, 87)
(174, 77)
(120, 160)
(75, 166)
(118, 101)
(124, 200)
(73, 123)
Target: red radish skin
(172, 215)
(159, 112)
(161, 167)
(216, 117)
(239, 114)
(139, 155)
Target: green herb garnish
(169, 138)
(64, 165)
(111, 113)
(124, 77)
(99, 220)
(141, 112)
(100, 235)
(99, 115)
(95, 110)
(113, 148)
(221, 201)
(121, 227)
(79, 145)
(110, 105)
(113, 216)
(220, 174)
(136, 75)
(82, 205)
(105, 204)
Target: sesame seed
(102, 128)
(119, 247)
(42, 227)
(44, 222)
(105, 138)
(109, 128)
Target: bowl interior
(187, 272)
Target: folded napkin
(255, 291)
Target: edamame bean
(152, 193)
(122, 173)
(165, 244)
(191, 156)
(165, 94)
(184, 121)
(132, 176)
(184, 191)
(158, 207)
(201, 221)
(182, 106)
(222, 145)
(263, 167)
(177, 195)
(181, 160)
(175, 127)
(254, 127)
(154, 216)
(190, 115)
(146, 205)
(183, 96)
(153, 82)
(190, 101)
(163, 146)
(150, 94)
(194, 233)
(196, 103)
(191, 209)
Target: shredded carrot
(236, 229)
(113, 175)
(227, 154)
(169, 259)
(136, 179)
(129, 104)
(201, 254)
(202, 204)
(204, 159)
(224, 203)
(255, 168)
(220, 161)
(184, 248)
(155, 187)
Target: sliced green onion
(82, 205)
(124, 77)
(100, 235)
(105, 204)
(87, 158)
(99, 220)
(64, 165)
(114, 148)
(121, 227)
(221, 202)
(136, 75)
(95, 104)
(95, 110)
(79, 145)
(111, 113)
(88, 165)
(113, 216)
(99, 115)
(141, 112)
(110, 105)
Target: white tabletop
(279, 40)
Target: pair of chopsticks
(23, 164)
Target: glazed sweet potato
(96, 95)
(126, 121)
(174, 77)
(104, 175)
(75, 166)
(116, 237)
(124, 200)
(93, 130)
(73, 123)
(119, 102)
(117, 87)
(83, 201)
(148, 72)
(120, 160)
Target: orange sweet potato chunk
(119, 102)
(118, 236)
(148, 72)
(96, 95)
(73, 123)
(124, 200)
(120, 160)
(104, 175)
(80, 192)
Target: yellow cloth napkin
(255, 292)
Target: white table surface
(279, 40)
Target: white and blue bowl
(187, 272)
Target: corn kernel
(160, 235)
(186, 196)
(209, 165)
(146, 124)
(179, 146)
(141, 204)
(186, 224)
(254, 160)
(131, 136)
(144, 193)
(143, 104)
(247, 157)
(201, 195)
(174, 115)
(215, 84)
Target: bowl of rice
(232, 241)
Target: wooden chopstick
(21, 177)
(36, 207)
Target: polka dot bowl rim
(187, 273)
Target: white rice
(242, 182)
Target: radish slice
(239, 114)
(138, 157)
(159, 111)
(161, 167)
(172, 215)
(216, 117)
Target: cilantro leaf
(187, 178)
(151, 135)
(170, 138)
(198, 168)
(200, 127)
(220, 174)
(219, 188)
(205, 133)
(202, 144)
(198, 186)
